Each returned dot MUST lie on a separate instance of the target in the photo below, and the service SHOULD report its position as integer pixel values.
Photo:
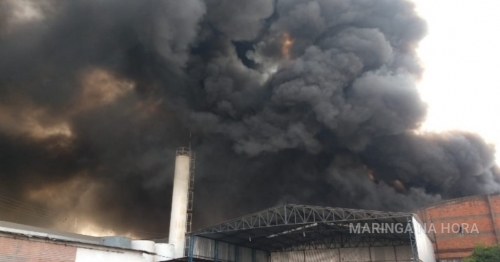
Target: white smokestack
(178, 215)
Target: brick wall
(472, 221)
(28, 250)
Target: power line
(25, 204)
(50, 216)
(33, 208)
(27, 209)
(29, 213)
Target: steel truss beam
(413, 241)
(298, 215)
(298, 227)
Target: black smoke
(297, 101)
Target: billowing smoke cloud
(298, 101)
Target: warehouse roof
(291, 227)
(38, 232)
(15, 229)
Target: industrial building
(298, 233)
(21, 243)
(445, 231)
(292, 233)
(287, 233)
(461, 224)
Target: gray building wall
(210, 249)
(360, 254)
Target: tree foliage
(483, 253)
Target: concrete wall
(206, 248)
(25, 249)
(361, 254)
(483, 211)
(13, 250)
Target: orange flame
(287, 45)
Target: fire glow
(287, 45)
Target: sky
(461, 56)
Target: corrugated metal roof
(9, 228)
(31, 231)
(290, 226)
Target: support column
(436, 241)
(413, 241)
(493, 218)
(191, 249)
(216, 251)
(254, 257)
(236, 253)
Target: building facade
(22, 243)
(301, 233)
(458, 225)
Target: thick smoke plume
(286, 101)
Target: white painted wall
(145, 245)
(164, 252)
(95, 255)
(424, 244)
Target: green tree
(483, 253)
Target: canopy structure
(301, 227)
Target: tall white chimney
(178, 215)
